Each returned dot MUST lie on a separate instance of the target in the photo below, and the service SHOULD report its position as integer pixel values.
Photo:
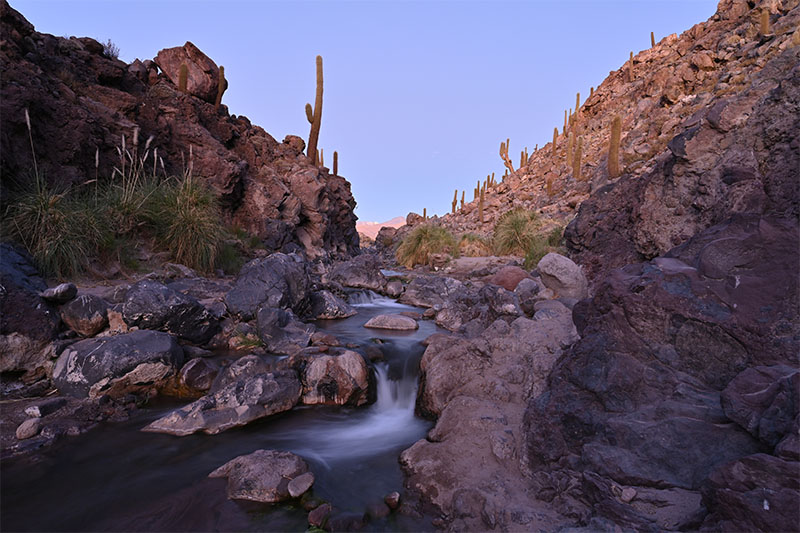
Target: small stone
(60, 294)
(319, 516)
(28, 429)
(299, 485)
(628, 494)
(392, 500)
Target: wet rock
(233, 405)
(198, 375)
(262, 476)
(392, 500)
(86, 315)
(394, 289)
(361, 272)
(153, 305)
(281, 331)
(60, 294)
(299, 485)
(319, 516)
(29, 428)
(326, 305)
(320, 338)
(339, 378)
(509, 277)
(45, 407)
(428, 290)
(395, 322)
(563, 276)
(279, 281)
(117, 365)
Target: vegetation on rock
(422, 242)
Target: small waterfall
(394, 395)
(368, 298)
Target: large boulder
(509, 277)
(114, 366)
(473, 310)
(27, 322)
(281, 331)
(327, 306)
(86, 315)
(361, 272)
(429, 290)
(153, 305)
(279, 280)
(236, 404)
(262, 476)
(561, 275)
(337, 378)
(202, 73)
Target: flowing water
(117, 478)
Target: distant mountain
(371, 229)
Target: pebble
(28, 429)
(301, 484)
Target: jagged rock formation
(81, 100)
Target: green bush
(515, 231)
(423, 241)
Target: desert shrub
(471, 245)
(60, 230)
(184, 215)
(423, 241)
(515, 231)
(110, 50)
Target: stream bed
(117, 478)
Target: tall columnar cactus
(591, 91)
(480, 208)
(763, 26)
(577, 103)
(455, 201)
(462, 200)
(570, 146)
(555, 140)
(222, 84)
(321, 159)
(335, 163)
(493, 180)
(652, 40)
(314, 115)
(613, 147)
(183, 75)
(576, 161)
(504, 156)
(424, 214)
(630, 68)
(564, 130)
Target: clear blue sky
(418, 95)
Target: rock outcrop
(268, 187)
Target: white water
(367, 298)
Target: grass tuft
(423, 241)
(515, 231)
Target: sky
(418, 95)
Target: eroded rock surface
(279, 281)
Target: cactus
(763, 27)
(536, 148)
(480, 209)
(493, 181)
(335, 163)
(222, 84)
(576, 161)
(577, 103)
(652, 40)
(504, 155)
(455, 202)
(183, 75)
(613, 147)
(462, 200)
(314, 115)
(321, 162)
(424, 214)
(564, 131)
(555, 140)
(630, 68)
(591, 91)
(570, 145)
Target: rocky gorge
(650, 381)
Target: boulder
(202, 78)
(361, 272)
(27, 323)
(563, 276)
(396, 322)
(86, 315)
(327, 306)
(281, 331)
(262, 476)
(233, 405)
(197, 375)
(60, 294)
(279, 280)
(394, 289)
(429, 290)
(153, 305)
(338, 378)
(117, 365)
(470, 310)
(509, 277)
(527, 291)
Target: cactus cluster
(523, 157)
(314, 115)
(504, 155)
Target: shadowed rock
(262, 476)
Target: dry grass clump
(471, 245)
(515, 231)
(424, 241)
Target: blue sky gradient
(418, 95)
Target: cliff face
(709, 129)
(80, 101)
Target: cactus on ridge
(314, 115)
(504, 156)
(335, 163)
(555, 140)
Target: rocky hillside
(81, 100)
(709, 128)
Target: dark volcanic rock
(427, 291)
(361, 272)
(279, 280)
(60, 294)
(326, 305)
(153, 305)
(281, 331)
(86, 315)
(266, 186)
(117, 365)
(262, 476)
